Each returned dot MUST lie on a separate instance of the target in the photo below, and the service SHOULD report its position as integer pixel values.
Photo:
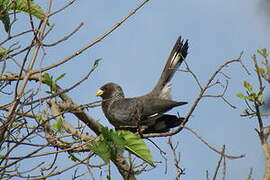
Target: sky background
(134, 56)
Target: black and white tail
(177, 56)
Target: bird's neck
(106, 103)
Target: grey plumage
(145, 113)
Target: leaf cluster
(113, 142)
(48, 79)
(251, 96)
(7, 7)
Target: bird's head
(110, 90)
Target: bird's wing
(152, 106)
(134, 111)
(124, 112)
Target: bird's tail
(164, 124)
(177, 56)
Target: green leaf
(252, 97)
(109, 145)
(102, 149)
(136, 145)
(29, 7)
(47, 79)
(40, 118)
(3, 52)
(60, 77)
(267, 68)
(4, 17)
(96, 63)
(113, 140)
(260, 70)
(241, 95)
(118, 142)
(263, 52)
(4, 2)
(58, 126)
(260, 95)
(267, 131)
(260, 98)
(248, 86)
(49, 92)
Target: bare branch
(219, 162)
(132, 12)
(176, 158)
(211, 147)
(196, 102)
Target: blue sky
(134, 56)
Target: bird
(146, 114)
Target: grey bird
(145, 114)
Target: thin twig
(132, 12)
(211, 147)
(179, 170)
(196, 102)
(219, 162)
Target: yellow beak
(99, 92)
